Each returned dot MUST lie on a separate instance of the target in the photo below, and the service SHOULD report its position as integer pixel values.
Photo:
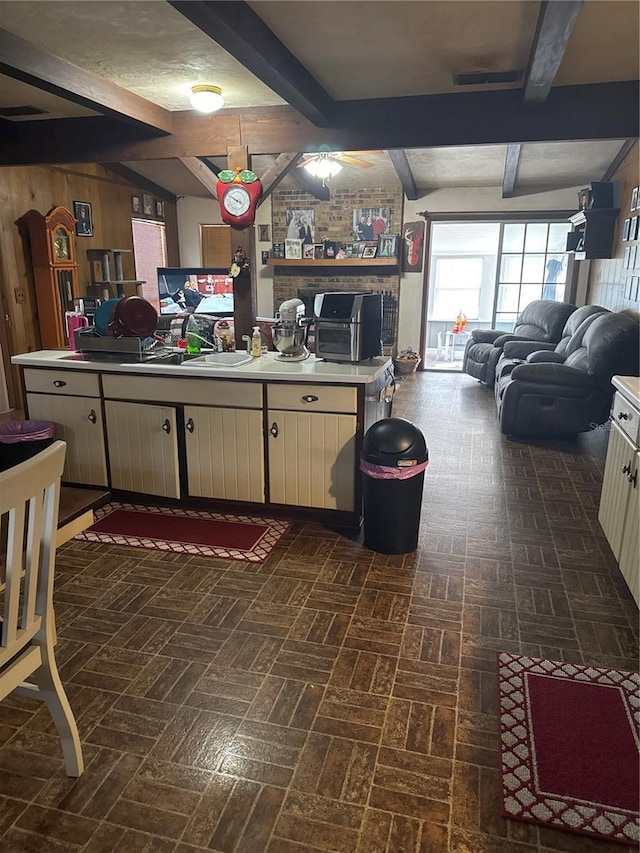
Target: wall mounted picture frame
(265, 257)
(635, 199)
(625, 229)
(147, 204)
(82, 212)
(635, 288)
(136, 204)
(633, 228)
(627, 254)
(263, 233)
(369, 252)
(370, 222)
(160, 209)
(293, 249)
(301, 225)
(634, 256)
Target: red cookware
(133, 317)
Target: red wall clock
(238, 193)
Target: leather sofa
(542, 320)
(556, 395)
(515, 352)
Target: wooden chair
(29, 497)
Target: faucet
(247, 338)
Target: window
(149, 252)
(457, 283)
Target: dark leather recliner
(542, 320)
(515, 352)
(553, 396)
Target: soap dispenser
(256, 343)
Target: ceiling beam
(242, 33)
(311, 185)
(22, 61)
(139, 181)
(277, 172)
(202, 173)
(511, 162)
(627, 145)
(595, 111)
(403, 170)
(556, 21)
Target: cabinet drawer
(626, 416)
(70, 382)
(312, 398)
(204, 392)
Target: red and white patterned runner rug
(186, 531)
(570, 742)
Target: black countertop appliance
(348, 326)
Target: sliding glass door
(488, 272)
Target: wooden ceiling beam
(139, 181)
(240, 31)
(277, 172)
(595, 111)
(556, 21)
(311, 185)
(511, 162)
(403, 170)
(627, 145)
(206, 176)
(22, 61)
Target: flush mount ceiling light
(323, 166)
(206, 98)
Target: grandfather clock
(55, 271)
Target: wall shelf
(593, 231)
(348, 263)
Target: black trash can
(20, 440)
(393, 460)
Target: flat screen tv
(199, 290)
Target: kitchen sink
(221, 359)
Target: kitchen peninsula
(267, 431)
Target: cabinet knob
(274, 429)
(166, 426)
(189, 426)
(309, 398)
(623, 416)
(59, 383)
(626, 468)
(92, 416)
(633, 478)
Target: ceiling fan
(326, 164)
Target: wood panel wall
(44, 187)
(608, 278)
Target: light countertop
(267, 367)
(629, 387)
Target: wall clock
(238, 193)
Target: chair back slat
(29, 497)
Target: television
(199, 290)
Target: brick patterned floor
(329, 699)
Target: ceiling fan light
(323, 168)
(206, 98)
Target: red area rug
(570, 738)
(185, 531)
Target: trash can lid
(14, 432)
(394, 441)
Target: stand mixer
(290, 331)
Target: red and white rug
(186, 531)
(570, 741)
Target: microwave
(348, 326)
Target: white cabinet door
(225, 453)
(312, 459)
(143, 448)
(630, 547)
(78, 422)
(615, 487)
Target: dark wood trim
(277, 172)
(139, 181)
(403, 170)
(239, 30)
(202, 173)
(510, 169)
(598, 111)
(496, 216)
(618, 159)
(425, 288)
(22, 61)
(556, 21)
